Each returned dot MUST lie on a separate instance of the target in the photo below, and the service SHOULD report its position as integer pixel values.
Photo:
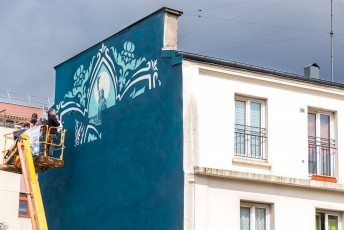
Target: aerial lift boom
(34, 196)
(19, 159)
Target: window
(9, 124)
(327, 221)
(249, 131)
(321, 148)
(23, 206)
(254, 216)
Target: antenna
(331, 35)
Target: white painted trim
(243, 75)
(252, 162)
(288, 181)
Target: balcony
(249, 141)
(321, 156)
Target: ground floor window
(254, 216)
(327, 221)
(23, 206)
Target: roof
(19, 110)
(258, 69)
(314, 64)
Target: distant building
(161, 139)
(13, 209)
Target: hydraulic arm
(34, 196)
(19, 158)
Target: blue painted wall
(122, 106)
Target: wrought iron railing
(321, 156)
(249, 141)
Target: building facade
(262, 149)
(121, 101)
(161, 139)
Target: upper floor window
(23, 206)
(249, 128)
(321, 145)
(9, 123)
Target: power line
(221, 6)
(259, 24)
(262, 43)
(263, 8)
(340, 3)
(242, 15)
(340, 44)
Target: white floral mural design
(110, 76)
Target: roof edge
(163, 9)
(252, 68)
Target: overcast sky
(286, 35)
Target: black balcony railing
(249, 141)
(321, 156)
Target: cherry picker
(27, 155)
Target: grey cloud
(36, 35)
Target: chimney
(171, 29)
(312, 71)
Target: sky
(285, 35)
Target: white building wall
(286, 119)
(208, 105)
(9, 199)
(25, 224)
(218, 204)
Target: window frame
(252, 207)
(23, 198)
(317, 113)
(263, 126)
(9, 123)
(332, 125)
(326, 215)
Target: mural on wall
(110, 76)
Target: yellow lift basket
(18, 158)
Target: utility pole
(331, 35)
